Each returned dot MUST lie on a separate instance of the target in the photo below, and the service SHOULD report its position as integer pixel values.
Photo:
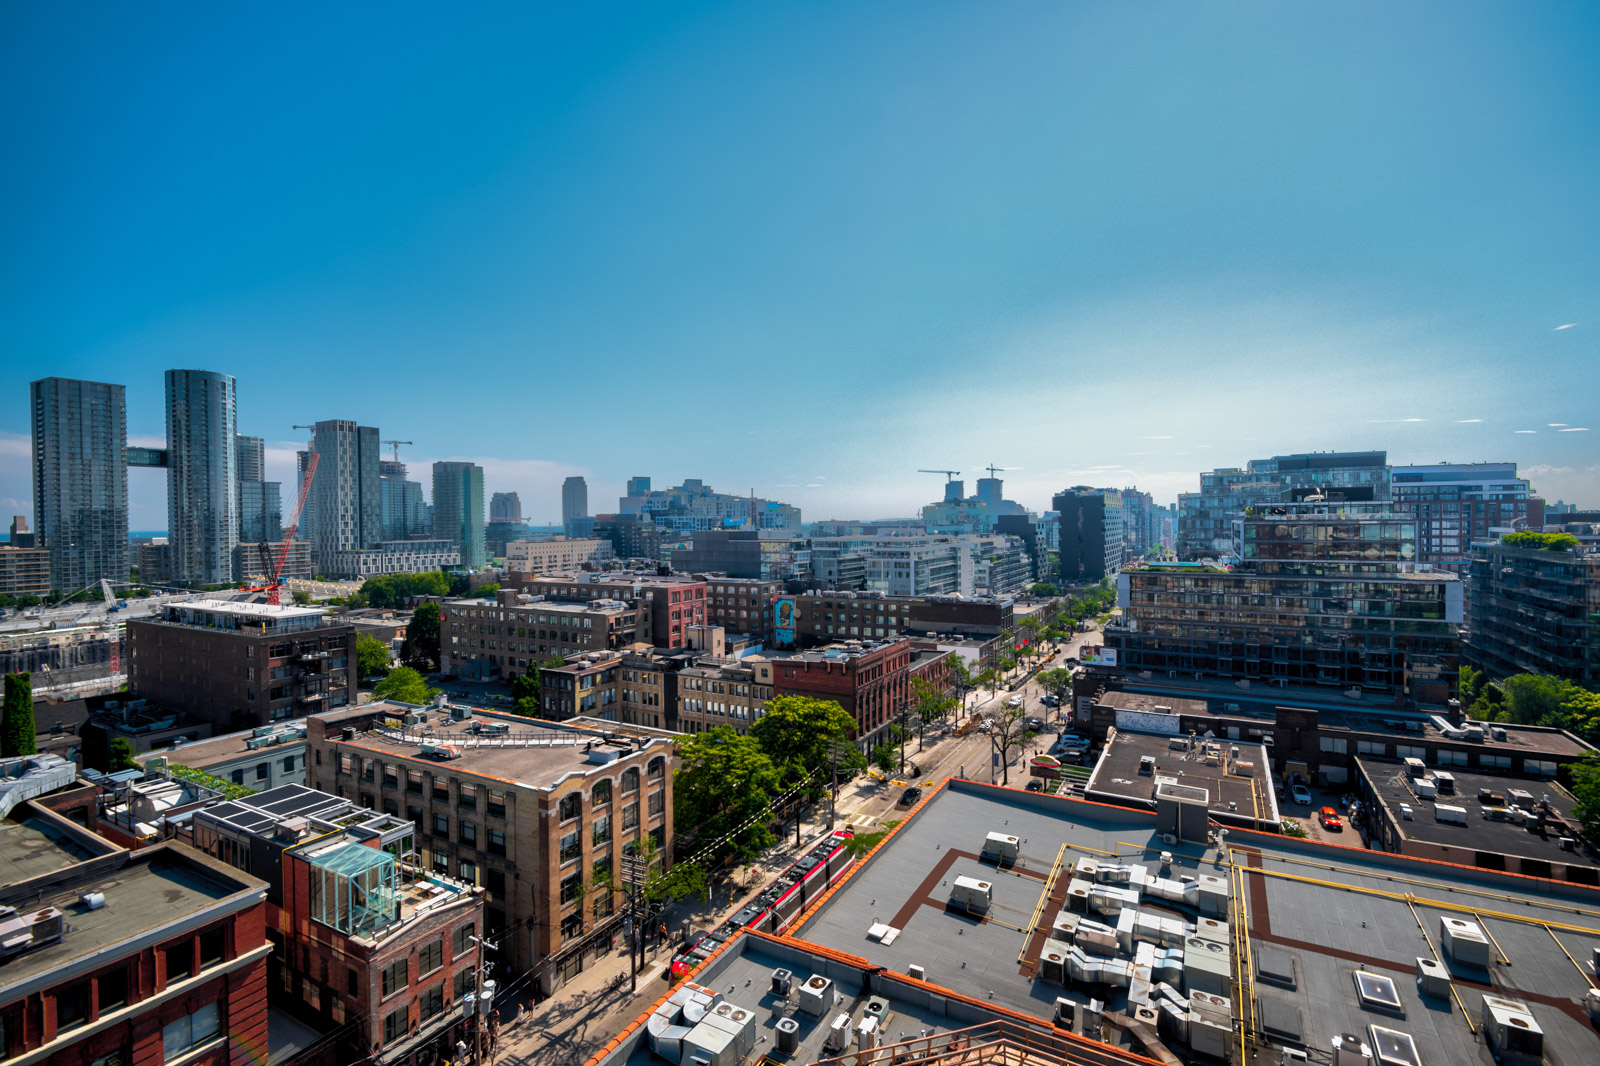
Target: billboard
(1098, 655)
(783, 621)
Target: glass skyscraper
(458, 509)
(80, 480)
(202, 476)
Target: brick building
(824, 617)
(360, 934)
(481, 639)
(672, 603)
(556, 555)
(24, 571)
(741, 604)
(531, 811)
(730, 692)
(166, 962)
(869, 679)
(237, 664)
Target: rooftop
(1490, 825)
(1236, 775)
(202, 754)
(1153, 703)
(834, 653)
(157, 888)
(533, 753)
(1305, 916)
(249, 610)
(32, 845)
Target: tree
(797, 732)
(883, 757)
(404, 684)
(422, 636)
(18, 735)
(1549, 542)
(372, 656)
(301, 597)
(1008, 734)
(933, 703)
(959, 676)
(1044, 588)
(393, 590)
(1586, 787)
(122, 755)
(723, 789)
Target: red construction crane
(271, 587)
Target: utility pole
(482, 997)
(834, 747)
(636, 873)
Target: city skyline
(1085, 223)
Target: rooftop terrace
(1237, 776)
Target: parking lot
(1347, 835)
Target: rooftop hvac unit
(818, 996)
(1292, 1057)
(460, 713)
(1432, 978)
(788, 1036)
(869, 1034)
(917, 972)
(782, 982)
(1510, 1030)
(1066, 1012)
(1464, 942)
(838, 1034)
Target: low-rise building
(255, 562)
(483, 639)
(1518, 824)
(825, 617)
(720, 691)
(531, 811)
(261, 758)
(671, 603)
(741, 604)
(418, 556)
(63, 661)
(117, 956)
(586, 684)
(556, 555)
(1236, 776)
(237, 664)
(368, 945)
(871, 680)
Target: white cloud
(1380, 421)
(1527, 431)
(1576, 429)
(1569, 325)
(1469, 420)
(1553, 425)
(1545, 470)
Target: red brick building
(673, 603)
(871, 680)
(166, 961)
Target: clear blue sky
(809, 248)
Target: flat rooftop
(31, 845)
(140, 898)
(1482, 832)
(1532, 740)
(250, 610)
(538, 762)
(836, 653)
(1311, 915)
(1121, 700)
(204, 753)
(1236, 775)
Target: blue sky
(810, 248)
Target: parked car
(1300, 794)
(910, 795)
(1051, 701)
(1071, 741)
(1330, 818)
(1014, 702)
(1034, 724)
(1035, 785)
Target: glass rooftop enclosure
(352, 886)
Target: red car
(1329, 818)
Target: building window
(72, 1006)
(467, 871)
(180, 961)
(414, 781)
(571, 805)
(113, 992)
(211, 948)
(602, 829)
(571, 846)
(467, 799)
(461, 940)
(433, 1002)
(394, 1026)
(441, 825)
(569, 888)
(1539, 766)
(630, 780)
(497, 804)
(496, 882)
(441, 863)
(414, 815)
(185, 1033)
(464, 983)
(658, 803)
(657, 768)
(394, 978)
(601, 794)
(288, 764)
(430, 957)
(238, 777)
(497, 842)
(441, 790)
(469, 833)
(630, 817)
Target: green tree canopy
(1044, 588)
(404, 684)
(1586, 788)
(372, 656)
(1549, 542)
(1534, 699)
(724, 788)
(122, 754)
(392, 590)
(422, 636)
(795, 733)
(18, 734)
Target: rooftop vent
(21, 931)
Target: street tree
(1009, 733)
(932, 704)
(960, 678)
(422, 636)
(18, 734)
(1044, 588)
(122, 755)
(883, 757)
(723, 792)
(404, 684)
(797, 733)
(1586, 788)
(372, 656)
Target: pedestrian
(522, 1012)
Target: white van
(1014, 702)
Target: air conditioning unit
(782, 982)
(788, 1036)
(818, 996)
